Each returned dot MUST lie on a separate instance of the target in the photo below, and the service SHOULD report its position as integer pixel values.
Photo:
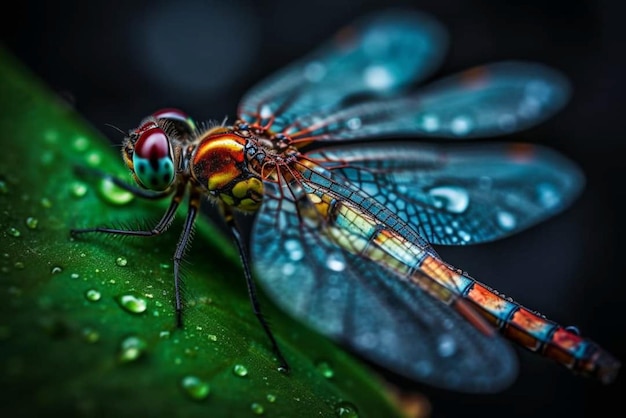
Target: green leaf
(87, 325)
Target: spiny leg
(194, 207)
(160, 227)
(256, 307)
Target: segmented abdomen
(373, 232)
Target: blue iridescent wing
(485, 101)
(378, 55)
(457, 194)
(361, 304)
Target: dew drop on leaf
(325, 369)
(132, 303)
(32, 222)
(346, 410)
(78, 189)
(113, 193)
(240, 370)
(131, 348)
(257, 408)
(196, 388)
(91, 335)
(92, 295)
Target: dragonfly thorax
(220, 166)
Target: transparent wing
(455, 194)
(485, 101)
(378, 54)
(363, 305)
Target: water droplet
(446, 345)
(14, 232)
(132, 303)
(212, 337)
(121, 261)
(90, 335)
(430, 123)
(196, 388)
(294, 249)
(271, 398)
(32, 222)
(464, 236)
(423, 368)
(56, 270)
(506, 220)
(354, 123)
(131, 348)
(452, 198)
(378, 77)
(19, 265)
(314, 71)
(538, 89)
(93, 295)
(240, 370)
(461, 125)
(164, 335)
(548, 195)
(335, 262)
(288, 269)
(529, 107)
(51, 137)
(114, 194)
(257, 408)
(78, 189)
(266, 111)
(46, 203)
(346, 410)
(325, 369)
(4, 189)
(507, 122)
(94, 158)
(74, 275)
(80, 144)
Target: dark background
(119, 62)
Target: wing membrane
(460, 194)
(485, 101)
(359, 303)
(379, 54)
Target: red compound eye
(152, 144)
(171, 113)
(146, 127)
(184, 125)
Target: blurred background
(118, 62)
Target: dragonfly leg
(137, 191)
(256, 307)
(160, 227)
(183, 242)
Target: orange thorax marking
(217, 160)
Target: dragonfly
(345, 227)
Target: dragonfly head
(148, 150)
